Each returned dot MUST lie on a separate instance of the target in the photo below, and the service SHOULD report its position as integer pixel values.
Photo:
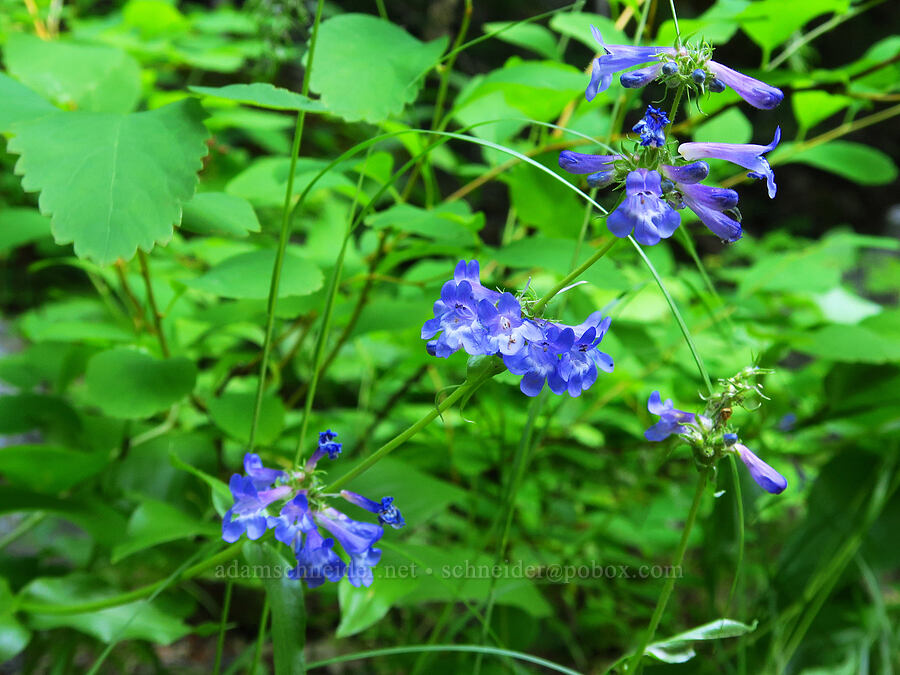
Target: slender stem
(284, 234)
(572, 276)
(635, 665)
(220, 643)
(154, 308)
(675, 19)
(739, 521)
(22, 528)
(447, 68)
(136, 594)
(260, 637)
(382, 12)
(138, 317)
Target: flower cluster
(656, 181)
(486, 322)
(710, 434)
(303, 510)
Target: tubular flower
(578, 367)
(614, 59)
(540, 360)
(758, 94)
(651, 126)
(302, 512)
(455, 317)
(643, 211)
(711, 205)
(747, 155)
(671, 419)
(507, 331)
(764, 475)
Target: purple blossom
(261, 476)
(354, 536)
(327, 446)
(539, 361)
(686, 174)
(471, 272)
(578, 366)
(359, 572)
(248, 514)
(749, 156)
(615, 59)
(455, 314)
(764, 475)
(706, 204)
(636, 79)
(316, 561)
(643, 211)
(581, 163)
(650, 127)
(758, 94)
(506, 330)
(671, 420)
(294, 519)
(387, 513)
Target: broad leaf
(129, 384)
(263, 95)
(367, 68)
(531, 36)
(20, 103)
(94, 77)
(362, 607)
(219, 214)
(860, 163)
(112, 182)
(232, 412)
(154, 523)
(248, 276)
(48, 468)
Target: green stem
(260, 637)
(22, 528)
(283, 236)
(677, 29)
(572, 276)
(131, 596)
(220, 643)
(635, 665)
(154, 308)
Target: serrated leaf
(20, 103)
(129, 384)
(263, 95)
(369, 69)
(860, 163)
(219, 214)
(112, 182)
(92, 77)
(247, 276)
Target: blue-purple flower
(317, 561)
(758, 94)
(764, 475)
(327, 446)
(617, 58)
(643, 210)
(599, 168)
(747, 155)
(387, 513)
(248, 514)
(540, 360)
(456, 318)
(651, 126)
(671, 420)
(507, 332)
(578, 367)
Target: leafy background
(141, 193)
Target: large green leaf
(91, 77)
(134, 621)
(860, 163)
(129, 384)
(285, 598)
(61, 468)
(20, 103)
(112, 182)
(771, 22)
(368, 68)
(362, 607)
(248, 276)
(219, 214)
(264, 182)
(232, 412)
(577, 25)
(531, 36)
(154, 523)
(263, 95)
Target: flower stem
(154, 308)
(635, 664)
(283, 235)
(572, 276)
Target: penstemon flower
(747, 155)
(644, 211)
(671, 420)
(764, 475)
(304, 510)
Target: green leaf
(232, 412)
(133, 621)
(248, 276)
(60, 468)
(94, 77)
(526, 35)
(729, 127)
(262, 95)
(129, 384)
(716, 25)
(363, 607)
(812, 107)
(285, 598)
(678, 649)
(447, 222)
(853, 344)
(264, 182)
(21, 226)
(14, 637)
(219, 214)
(112, 182)
(769, 23)
(222, 498)
(20, 103)
(859, 163)
(577, 25)
(155, 522)
(369, 69)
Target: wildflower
(764, 475)
(261, 476)
(749, 156)
(293, 521)
(636, 79)
(539, 361)
(578, 367)
(357, 539)
(599, 167)
(387, 513)
(643, 211)
(506, 330)
(758, 94)
(651, 126)
(317, 561)
(471, 273)
(687, 174)
(616, 58)
(248, 514)
(327, 446)
(671, 419)
(455, 314)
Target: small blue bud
(669, 68)
(666, 185)
(698, 76)
(716, 86)
(730, 439)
